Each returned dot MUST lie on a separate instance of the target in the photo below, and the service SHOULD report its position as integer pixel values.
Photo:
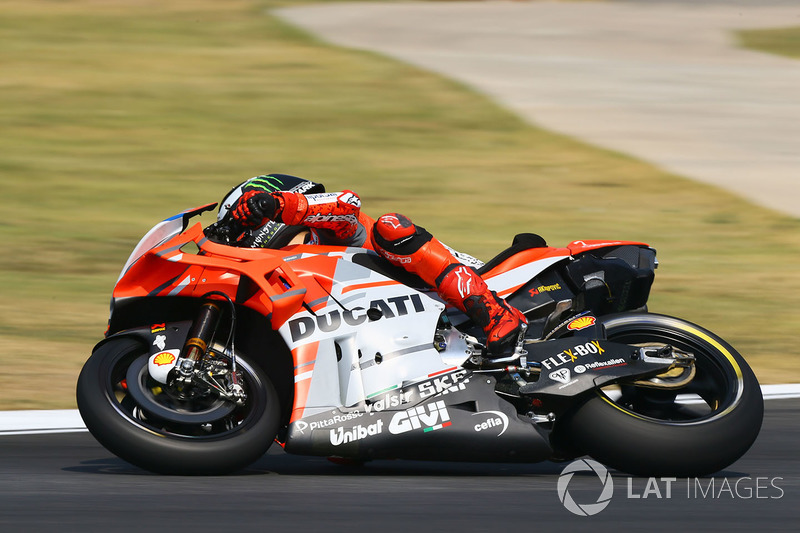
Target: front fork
(187, 372)
(200, 336)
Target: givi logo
(435, 417)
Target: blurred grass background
(115, 115)
(781, 41)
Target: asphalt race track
(68, 482)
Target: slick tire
(646, 445)
(166, 447)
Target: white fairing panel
(515, 278)
(356, 356)
(349, 357)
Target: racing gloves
(336, 212)
(254, 208)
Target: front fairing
(163, 231)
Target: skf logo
(164, 358)
(581, 323)
(435, 418)
(572, 354)
(449, 383)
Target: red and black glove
(254, 208)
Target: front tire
(647, 432)
(131, 431)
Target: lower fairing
(464, 422)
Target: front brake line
(237, 390)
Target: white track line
(31, 422)
(69, 420)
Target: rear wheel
(694, 430)
(133, 416)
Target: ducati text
(303, 327)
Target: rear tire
(239, 437)
(652, 432)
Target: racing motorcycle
(214, 351)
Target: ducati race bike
(215, 351)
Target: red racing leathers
(336, 218)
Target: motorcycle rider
(336, 219)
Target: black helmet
(272, 234)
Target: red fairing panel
(167, 270)
(577, 247)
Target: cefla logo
(435, 417)
(496, 421)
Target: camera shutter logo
(588, 509)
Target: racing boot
(410, 246)
(502, 323)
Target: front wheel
(134, 418)
(695, 430)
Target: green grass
(115, 115)
(780, 41)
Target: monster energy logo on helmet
(265, 183)
(281, 182)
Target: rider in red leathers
(336, 219)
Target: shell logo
(164, 358)
(581, 323)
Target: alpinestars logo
(464, 281)
(390, 221)
(350, 219)
(349, 197)
(435, 418)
